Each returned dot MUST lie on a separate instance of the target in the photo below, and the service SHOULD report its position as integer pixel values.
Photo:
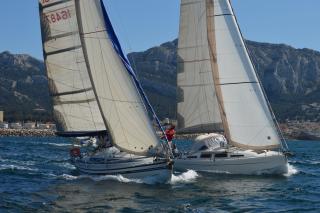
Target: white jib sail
(122, 107)
(75, 105)
(248, 117)
(198, 110)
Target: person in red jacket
(170, 133)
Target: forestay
(247, 114)
(121, 105)
(74, 102)
(198, 110)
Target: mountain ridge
(290, 76)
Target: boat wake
(291, 170)
(186, 177)
(118, 178)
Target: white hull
(127, 166)
(263, 164)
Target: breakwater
(26, 133)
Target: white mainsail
(74, 102)
(119, 103)
(197, 101)
(246, 117)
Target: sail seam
(63, 50)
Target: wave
(186, 177)
(16, 167)
(57, 144)
(98, 178)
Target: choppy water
(37, 177)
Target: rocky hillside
(23, 88)
(291, 78)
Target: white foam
(186, 177)
(58, 144)
(291, 170)
(15, 167)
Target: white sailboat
(220, 92)
(95, 91)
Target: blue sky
(141, 24)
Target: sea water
(36, 176)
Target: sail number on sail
(58, 16)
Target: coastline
(301, 135)
(27, 133)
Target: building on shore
(29, 125)
(50, 126)
(4, 125)
(16, 125)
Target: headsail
(121, 105)
(248, 117)
(74, 102)
(198, 110)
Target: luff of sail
(74, 102)
(121, 105)
(197, 101)
(247, 115)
